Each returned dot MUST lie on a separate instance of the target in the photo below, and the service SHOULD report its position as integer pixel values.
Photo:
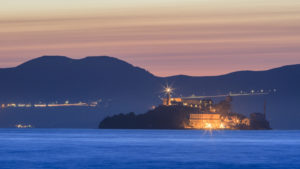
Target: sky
(166, 37)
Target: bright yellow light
(208, 126)
(168, 90)
(222, 126)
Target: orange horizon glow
(192, 37)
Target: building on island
(206, 121)
(206, 118)
(209, 115)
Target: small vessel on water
(22, 126)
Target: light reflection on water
(80, 148)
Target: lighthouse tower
(168, 92)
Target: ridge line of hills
(126, 88)
(64, 59)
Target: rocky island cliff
(179, 117)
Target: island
(188, 113)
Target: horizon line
(215, 75)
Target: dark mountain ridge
(48, 78)
(130, 88)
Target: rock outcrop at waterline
(162, 117)
(177, 117)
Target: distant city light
(51, 104)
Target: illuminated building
(206, 121)
(67, 104)
(28, 105)
(21, 105)
(202, 104)
(40, 105)
(207, 115)
(11, 105)
(207, 118)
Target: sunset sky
(166, 37)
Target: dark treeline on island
(179, 117)
(162, 117)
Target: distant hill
(56, 77)
(282, 106)
(125, 88)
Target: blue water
(83, 149)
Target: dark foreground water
(83, 149)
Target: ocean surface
(116, 149)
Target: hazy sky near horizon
(166, 37)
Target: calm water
(82, 149)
